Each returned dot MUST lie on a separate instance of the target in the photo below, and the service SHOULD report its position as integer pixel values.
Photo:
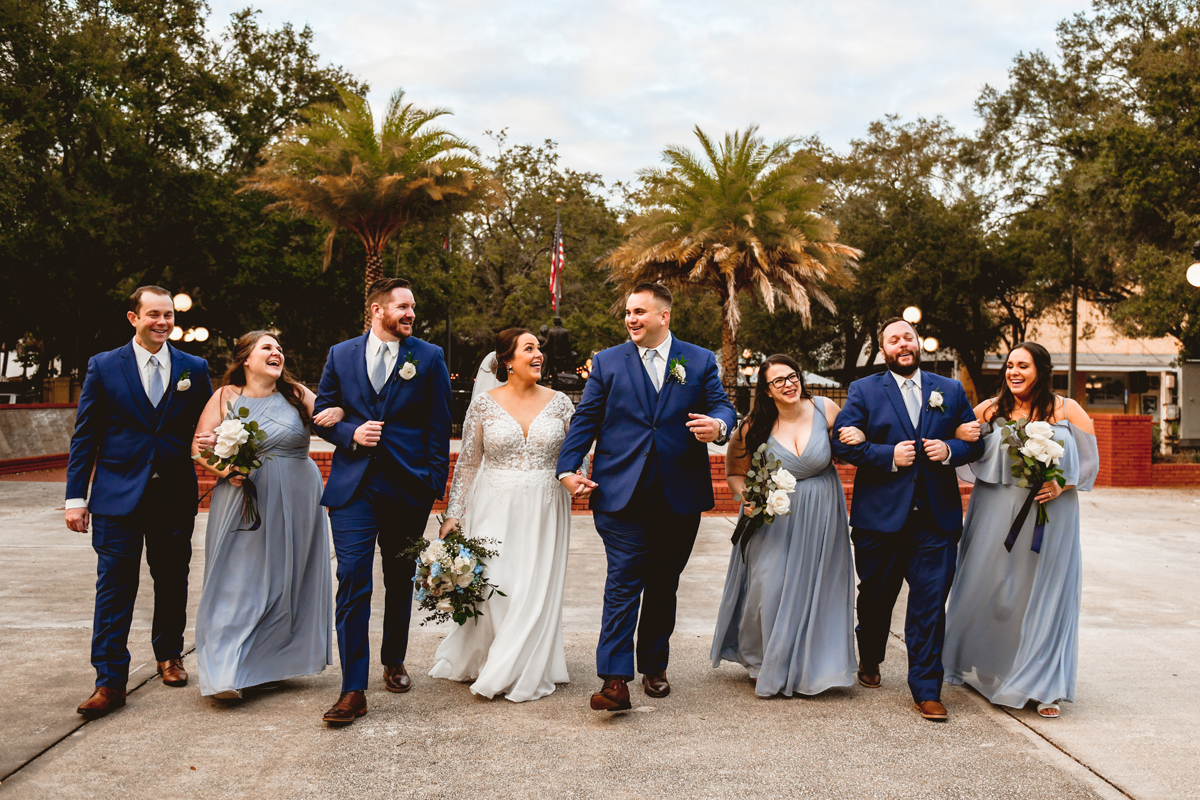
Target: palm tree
(743, 217)
(339, 168)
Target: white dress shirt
(145, 370)
(916, 379)
(377, 349)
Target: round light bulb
(912, 315)
(176, 334)
(183, 302)
(930, 344)
(1193, 274)
(746, 353)
(201, 334)
(190, 336)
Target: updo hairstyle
(506, 348)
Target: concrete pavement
(1128, 734)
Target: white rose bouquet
(764, 497)
(238, 440)
(1036, 457)
(449, 579)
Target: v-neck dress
(504, 489)
(787, 613)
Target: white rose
(1039, 430)
(935, 399)
(1037, 449)
(224, 450)
(436, 551)
(230, 437)
(183, 385)
(784, 479)
(778, 503)
(1054, 450)
(680, 374)
(408, 371)
(464, 579)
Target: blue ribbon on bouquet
(1039, 529)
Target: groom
(391, 462)
(652, 405)
(137, 412)
(907, 511)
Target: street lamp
(1193, 272)
(200, 334)
(912, 315)
(930, 345)
(183, 302)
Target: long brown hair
(287, 385)
(763, 412)
(1041, 401)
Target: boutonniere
(185, 381)
(936, 401)
(409, 370)
(677, 370)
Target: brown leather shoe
(173, 673)
(655, 684)
(102, 701)
(614, 696)
(395, 679)
(932, 709)
(349, 707)
(868, 676)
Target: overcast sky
(614, 82)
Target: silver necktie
(912, 401)
(649, 357)
(379, 371)
(156, 389)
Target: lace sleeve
(469, 458)
(566, 410)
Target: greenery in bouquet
(764, 496)
(1036, 457)
(238, 440)
(450, 580)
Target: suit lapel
(358, 355)
(926, 412)
(129, 365)
(668, 381)
(633, 365)
(176, 371)
(893, 393)
(395, 385)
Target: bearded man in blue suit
(137, 414)
(907, 511)
(651, 405)
(391, 463)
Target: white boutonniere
(936, 401)
(409, 370)
(677, 370)
(185, 381)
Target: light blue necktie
(156, 389)
(379, 371)
(649, 358)
(912, 401)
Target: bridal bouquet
(238, 440)
(765, 495)
(449, 580)
(1036, 456)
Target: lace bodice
(493, 440)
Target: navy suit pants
(166, 529)
(377, 514)
(648, 546)
(925, 557)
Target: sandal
(1048, 710)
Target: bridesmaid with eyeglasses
(787, 614)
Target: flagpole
(558, 249)
(447, 249)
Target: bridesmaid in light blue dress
(787, 613)
(1012, 626)
(267, 607)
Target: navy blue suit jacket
(128, 440)
(882, 498)
(415, 443)
(616, 413)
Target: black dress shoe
(349, 707)
(613, 696)
(869, 677)
(395, 679)
(655, 684)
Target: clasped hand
(579, 485)
(905, 453)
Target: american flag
(556, 266)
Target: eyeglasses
(779, 383)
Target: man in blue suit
(393, 455)
(137, 413)
(906, 511)
(652, 405)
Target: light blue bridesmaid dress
(1012, 626)
(787, 613)
(267, 608)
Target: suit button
(655, 428)
(646, 454)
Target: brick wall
(1124, 444)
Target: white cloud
(614, 82)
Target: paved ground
(1129, 734)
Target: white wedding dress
(504, 489)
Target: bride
(505, 489)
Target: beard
(894, 365)
(392, 326)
